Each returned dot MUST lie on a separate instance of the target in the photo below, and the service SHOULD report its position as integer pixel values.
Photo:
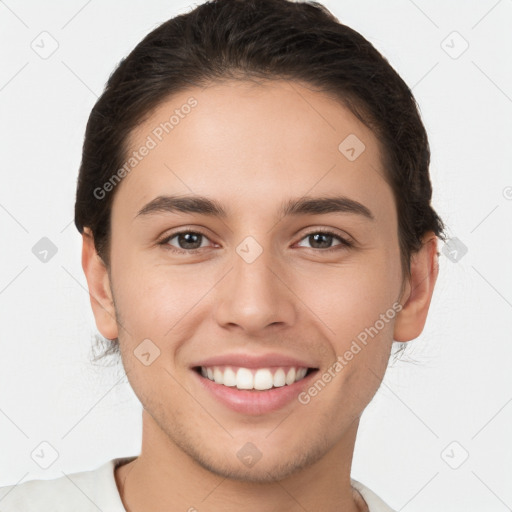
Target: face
(301, 270)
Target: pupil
(189, 238)
(325, 236)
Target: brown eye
(189, 240)
(323, 240)
(186, 242)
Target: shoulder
(375, 504)
(85, 491)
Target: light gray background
(460, 387)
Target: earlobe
(419, 289)
(100, 292)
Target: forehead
(248, 144)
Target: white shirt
(96, 490)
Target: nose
(255, 296)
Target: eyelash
(165, 242)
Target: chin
(268, 468)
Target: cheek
(355, 301)
(154, 303)
(158, 301)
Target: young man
(257, 230)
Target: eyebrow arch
(293, 207)
(322, 205)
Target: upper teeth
(246, 378)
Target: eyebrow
(293, 207)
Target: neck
(170, 479)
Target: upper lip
(253, 361)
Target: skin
(251, 146)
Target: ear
(99, 287)
(418, 290)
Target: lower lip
(255, 402)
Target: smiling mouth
(254, 379)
